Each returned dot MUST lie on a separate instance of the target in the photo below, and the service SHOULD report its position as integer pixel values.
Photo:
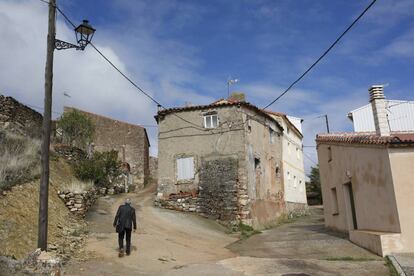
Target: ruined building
(131, 142)
(223, 161)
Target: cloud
(401, 46)
(162, 67)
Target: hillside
(19, 216)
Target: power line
(124, 75)
(323, 55)
(309, 158)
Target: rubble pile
(78, 202)
(182, 201)
(36, 263)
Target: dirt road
(164, 241)
(173, 243)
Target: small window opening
(211, 120)
(256, 162)
(329, 154)
(334, 195)
(272, 134)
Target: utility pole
(44, 178)
(327, 123)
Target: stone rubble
(78, 202)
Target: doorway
(350, 208)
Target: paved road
(172, 243)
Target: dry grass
(19, 159)
(77, 186)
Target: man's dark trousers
(124, 220)
(127, 234)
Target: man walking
(124, 219)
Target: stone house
(223, 161)
(367, 183)
(131, 142)
(292, 159)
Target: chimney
(377, 99)
(237, 97)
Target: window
(256, 162)
(297, 153)
(185, 168)
(211, 120)
(288, 146)
(294, 181)
(334, 196)
(272, 134)
(288, 175)
(329, 154)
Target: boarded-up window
(185, 168)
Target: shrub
(102, 168)
(19, 159)
(77, 129)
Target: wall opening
(350, 204)
(334, 197)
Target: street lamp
(84, 33)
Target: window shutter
(185, 168)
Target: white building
(400, 116)
(292, 157)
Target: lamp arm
(63, 45)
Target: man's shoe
(128, 253)
(121, 253)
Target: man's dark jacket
(124, 218)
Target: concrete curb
(396, 265)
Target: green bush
(77, 129)
(102, 168)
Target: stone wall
(131, 142)
(218, 194)
(69, 153)
(78, 202)
(218, 187)
(185, 202)
(153, 167)
(19, 119)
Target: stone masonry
(218, 189)
(78, 202)
(230, 171)
(131, 142)
(19, 119)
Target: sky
(184, 52)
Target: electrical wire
(323, 55)
(309, 158)
(125, 76)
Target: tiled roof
(368, 138)
(219, 103)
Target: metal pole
(228, 89)
(44, 178)
(327, 123)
